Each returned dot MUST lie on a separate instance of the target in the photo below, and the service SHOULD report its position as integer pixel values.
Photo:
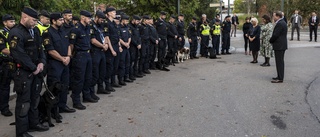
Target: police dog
(186, 53)
(181, 54)
(49, 103)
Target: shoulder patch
(46, 41)
(1, 41)
(77, 27)
(73, 36)
(14, 42)
(91, 31)
(105, 29)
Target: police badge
(73, 36)
(46, 41)
(13, 42)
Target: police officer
(215, 34)
(125, 40)
(27, 52)
(205, 38)
(44, 21)
(135, 45)
(181, 32)
(145, 43)
(67, 25)
(154, 41)
(75, 20)
(98, 48)
(161, 26)
(82, 62)
(56, 43)
(226, 28)
(113, 54)
(172, 39)
(193, 36)
(6, 63)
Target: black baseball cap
(7, 17)
(31, 12)
(55, 16)
(85, 13)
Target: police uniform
(172, 40)
(27, 52)
(181, 33)
(161, 26)
(134, 53)
(193, 34)
(81, 64)
(205, 37)
(226, 28)
(67, 27)
(125, 36)
(145, 43)
(112, 61)
(98, 54)
(40, 26)
(6, 67)
(215, 33)
(153, 46)
(55, 39)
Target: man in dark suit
(280, 44)
(313, 26)
(235, 23)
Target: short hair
(248, 18)
(267, 18)
(204, 15)
(255, 20)
(278, 13)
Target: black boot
(109, 88)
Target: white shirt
(314, 18)
(296, 19)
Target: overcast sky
(226, 1)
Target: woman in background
(254, 39)
(266, 33)
(245, 28)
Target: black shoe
(25, 135)
(110, 89)
(298, 39)
(103, 92)
(310, 40)
(6, 113)
(291, 39)
(141, 74)
(122, 83)
(89, 100)
(196, 57)
(132, 78)
(100, 90)
(138, 76)
(79, 106)
(128, 80)
(218, 54)
(228, 53)
(277, 81)
(146, 72)
(315, 41)
(56, 117)
(95, 97)
(66, 110)
(165, 69)
(265, 65)
(39, 127)
(116, 85)
(222, 53)
(275, 78)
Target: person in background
(246, 27)
(296, 21)
(75, 20)
(235, 23)
(313, 26)
(266, 47)
(284, 18)
(215, 34)
(254, 39)
(226, 28)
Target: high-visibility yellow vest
(206, 30)
(217, 30)
(42, 28)
(5, 34)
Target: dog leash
(46, 87)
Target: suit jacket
(292, 20)
(316, 23)
(279, 36)
(234, 19)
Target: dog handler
(27, 52)
(56, 43)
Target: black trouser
(193, 46)
(279, 57)
(5, 79)
(172, 47)
(124, 65)
(314, 30)
(181, 43)
(225, 42)
(152, 54)
(144, 58)
(204, 45)
(134, 56)
(246, 42)
(162, 51)
(28, 88)
(216, 43)
(295, 26)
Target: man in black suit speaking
(280, 44)
(313, 25)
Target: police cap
(194, 18)
(146, 17)
(163, 13)
(100, 14)
(7, 17)
(181, 15)
(136, 17)
(228, 16)
(173, 16)
(44, 13)
(217, 20)
(85, 13)
(31, 12)
(75, 18)
(67, 11)
(55, 16)
(110, 9)
(124, 17)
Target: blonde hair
(254, 19)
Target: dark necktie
(31, 33)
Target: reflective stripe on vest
(5, 34)
(217, 30)
(42, 28)
(206, 30)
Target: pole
(228, 7)
(221, 9)
(282, 3)
(178, 7)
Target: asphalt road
(227, 97)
